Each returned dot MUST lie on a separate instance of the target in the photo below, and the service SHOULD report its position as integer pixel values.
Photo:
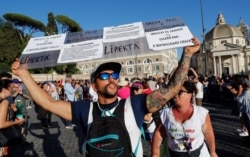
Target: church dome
(223, 30)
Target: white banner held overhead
(109, 42)
(42, 51)
(81, 46)
(123, 32)
(167, 33)
(74, 37)
(46, 43)
(81, 51)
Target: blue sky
(96, 14)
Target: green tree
(23, 22)
(10, 45)
(51, 26)
(68, 25)
(14, 37)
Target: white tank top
(192, 129)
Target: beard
(106, 93)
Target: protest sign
(109, 42)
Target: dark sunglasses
(106, 76)
(135, 88)
(182, 91)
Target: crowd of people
(168, 107)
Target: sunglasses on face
(106, 76)
(135, 88)
(182, 91)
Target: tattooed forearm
(181, 72)
(158, 98)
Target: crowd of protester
(144, 99)
(222, 90)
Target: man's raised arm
(42, 98)
(160, 97)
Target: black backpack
(108, 136)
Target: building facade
(226, 50)
(154, 63)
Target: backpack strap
(136, 102)
(119, 111)
(96, 111)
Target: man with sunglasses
(105, 82)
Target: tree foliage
(13, 38)
(23, 21)
(68, 25)
(51, 26)
(10, 45)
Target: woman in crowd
(124, 89)
(5, 91)
(187, 127)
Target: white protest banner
(109, 42)
(42, 51)
(46, 43)
(81, 46)
(40, 59)
(75, 37)
(81, 51)
(167, 33)
(125, 48)
(123, 32)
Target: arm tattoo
(158, 98)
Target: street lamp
(136, 64)
(203, 37)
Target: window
(147, 61)
(223, 41)
(122, 71)
(130, 66)
(156, 68)
(130, 62)
(85, 69)
(130, 69)
(237, 42)
(147, 65)
(139, 69)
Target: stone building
(226, 50)
(154, 63)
